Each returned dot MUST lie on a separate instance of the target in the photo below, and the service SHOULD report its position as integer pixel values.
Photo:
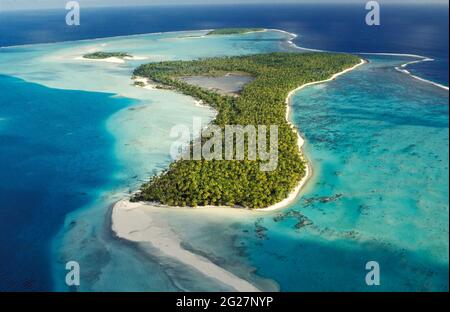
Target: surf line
(401, 68)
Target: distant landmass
(105, 55)
(233, 31)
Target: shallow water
(378, 141)
(228, 84)
(139, 146)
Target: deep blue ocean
(420, 29)
(41, 165)
(39, 152)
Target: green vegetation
(104, 55)
(262, 102)
(233, 31)
(139, 84)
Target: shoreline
(135, 221)
(145, 83)
(300, 143)
(290, 41)
(398, 68)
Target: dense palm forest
(262, 102)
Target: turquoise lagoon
(377, 140)
(378, 143)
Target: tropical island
(233, 31)
(262, 102)
(105, 55)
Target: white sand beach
(145, 83)
(301, 141)
(136, 221)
